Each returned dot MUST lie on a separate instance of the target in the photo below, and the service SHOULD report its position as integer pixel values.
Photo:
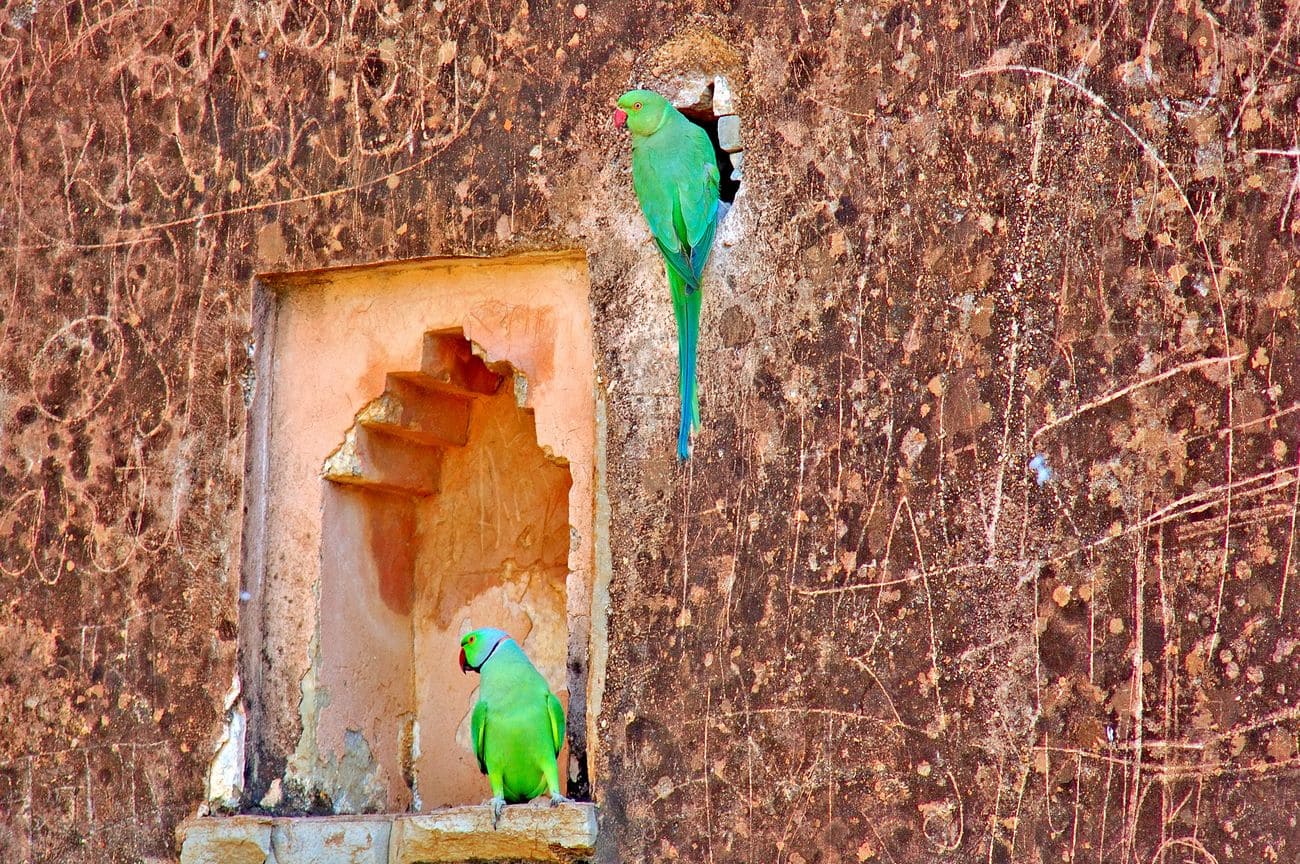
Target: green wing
(701, 248)
(478, 734)
(699, 195)
(679, 264)
(556, 710)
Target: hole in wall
(713, 110)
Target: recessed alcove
(440, 512)
(421, 461)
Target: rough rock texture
(855, 626)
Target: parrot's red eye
(636, 106)
(471, 640)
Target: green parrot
(518, 724)
(675, 176)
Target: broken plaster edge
(523, 396)
(347, 779)
(502, 366)
(300, 767)
(598, 624)
(343, 462)
(225, 781)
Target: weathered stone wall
(855, 626)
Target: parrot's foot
(497, 805)
(557, 798)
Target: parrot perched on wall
(517, 726)
(675, 176)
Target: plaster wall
(363, 663)
(856, 626)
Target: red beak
(620, 117)
(464, 664)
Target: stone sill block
(529, 832)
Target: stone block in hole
(729, 133)
(723, 101)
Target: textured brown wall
(932, 279)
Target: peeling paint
(226, 772)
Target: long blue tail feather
(686, 307)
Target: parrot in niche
(675, 175)
(517, 726)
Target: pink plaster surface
(365, 638)
(493, 551)
(337, 335)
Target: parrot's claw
(557, 798)
(497, 805)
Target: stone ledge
(563, 834)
